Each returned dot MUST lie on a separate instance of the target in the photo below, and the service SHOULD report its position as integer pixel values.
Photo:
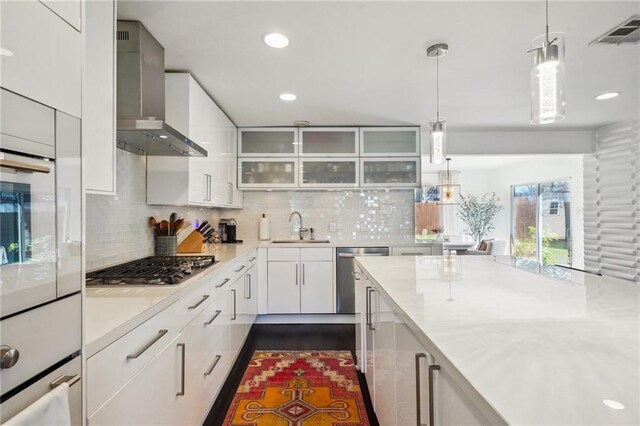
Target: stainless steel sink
(299, 241)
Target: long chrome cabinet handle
(148, 345)
(204, 187)
(251, 259)
(367, 306)
(418, 398)
(71, 380)
(432, 414)
(182, 346)
(213, 318)
(250, 278)
(296, 274)
(240, 268)
(215, 362)
(247, 285)
(371, 326)
(24, 167)
(234, 305)
(199, 302)
(226, 280)
(303, 275)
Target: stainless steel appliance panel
(345, 283)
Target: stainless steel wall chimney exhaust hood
(140, 88)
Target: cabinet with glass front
(268, 142)
(329, 142)
(390, 172)
(267, 173)
(329, 172)
(389, 141)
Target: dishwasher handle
(351, 255)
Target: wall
(358, 215)
(118, 226)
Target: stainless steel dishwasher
(345, 284)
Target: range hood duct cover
(627, 32)
(140, 97)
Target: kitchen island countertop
(539, 350)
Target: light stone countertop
(111, 312)
(539, 350)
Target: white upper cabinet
(269, 142)
(69, 10)
(389, 141)
(44, 49)
(98, 97)
(192, 181)
(329, 142)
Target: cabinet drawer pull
(199, 302)
(418, 409)
(240, 268)
(215, 362)
(182, 346)
(226, 280)
(148, 345)
(432, 416)
(213, 318)
(251, 259)
(235, 316)
(9, 357)
(71, 380)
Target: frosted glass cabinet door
(324, 172)
(268, 173)
(269, 142)
(389, 141)
(390, 172)
(329, 142)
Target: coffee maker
(227, 228)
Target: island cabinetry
(300, 280)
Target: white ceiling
(364, 62)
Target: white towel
(51, 409)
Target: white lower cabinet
(251, 295)
(300, 280)
(151, 397)
(400, 371)
(237, 307)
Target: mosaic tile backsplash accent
(338, 215)
(118, 226)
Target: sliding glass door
(541, 222)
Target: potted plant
(478, 213)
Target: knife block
(192, 243)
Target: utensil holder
(166, 245)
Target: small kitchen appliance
(227, 228)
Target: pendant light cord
(438, 87)
(547, 19)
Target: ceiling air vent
(626, 33)
(123, 35)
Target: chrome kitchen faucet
(301, 230)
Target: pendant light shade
(437, 127)
(449, 193)
(547, 76)
(438, 141)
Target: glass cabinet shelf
(389, 141)
(390, 172)
(333, 173)
(268, 142)
(329, 142)
(268, 173)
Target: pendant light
(437, 127)
(449, 192)
(547, 76)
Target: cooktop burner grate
(153, 270)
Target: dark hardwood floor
(287, 337)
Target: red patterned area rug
(298, 388)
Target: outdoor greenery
(527, 247)
(478, 213)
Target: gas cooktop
(152, 270)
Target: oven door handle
(24, 167)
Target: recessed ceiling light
(5, 52)
(613, 404)
(608, 95)
(276, 40)
(301, 123)
(288, 97)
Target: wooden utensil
(177, 226)
(154, 224)
(164, 228)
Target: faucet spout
(301, 230)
